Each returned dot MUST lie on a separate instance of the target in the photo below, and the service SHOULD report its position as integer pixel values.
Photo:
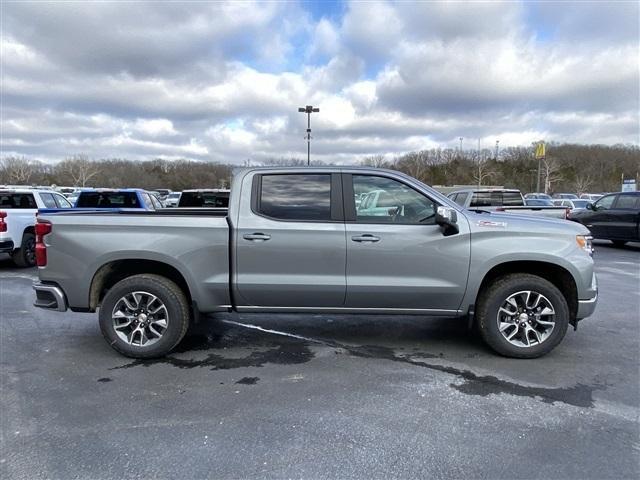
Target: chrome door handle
(367, 237)
(256, 236)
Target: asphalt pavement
(321, 396)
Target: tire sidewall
(177, 310)
(489, 324)
(21, 256)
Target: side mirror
(591, 206)
(447, 218)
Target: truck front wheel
(522, 316)
(144, 316)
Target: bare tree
(551, 172)
(483, 171)
(80, 169)
(17, 170)
(376, 161)
(582, 183)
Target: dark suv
(614, 217)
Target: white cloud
(222, 81)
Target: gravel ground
(346, 397)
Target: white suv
(18, 208)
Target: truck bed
(194, 242)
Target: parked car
(18, 208)
(215, 198)
(538, 202)
(172, 199)
(575, 204)
(568, 196)
(542, 196)
(163, 193)
(592, 197)
(614, 217)
(503, 200)
(66, 191)
(113, 198)
(292, 240)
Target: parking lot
(321, 396)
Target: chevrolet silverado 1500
(504, 200)
(292, 240)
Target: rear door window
(296, 197)
(627, 202)
(17, 200)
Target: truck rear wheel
(25, 256)
(522, 316)
(144, 316)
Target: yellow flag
(540, 153)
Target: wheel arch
(116, 270)
(559, 276)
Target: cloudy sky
(222, 81)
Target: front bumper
(50, 296)
(7, 246)
(588, 306)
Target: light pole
(460, 147)
(497, 146)
(309, 109)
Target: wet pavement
(321, 396)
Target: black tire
(494, 297)
(25, 256)
(619, 243)
(177, 308)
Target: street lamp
(309, 109)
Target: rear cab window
(108, 200)
(17, 201)
(204, 199)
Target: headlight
(584, 242)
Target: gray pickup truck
(503, 200)
(292, 240)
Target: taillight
(500, 209)
(42, 228)
(3, 224)
(567, 211)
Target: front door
(290, 250)
(600, 217)
(397, 257)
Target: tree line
(567, 167)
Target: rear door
(624, 217)
(398, 258)
(290, 251)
